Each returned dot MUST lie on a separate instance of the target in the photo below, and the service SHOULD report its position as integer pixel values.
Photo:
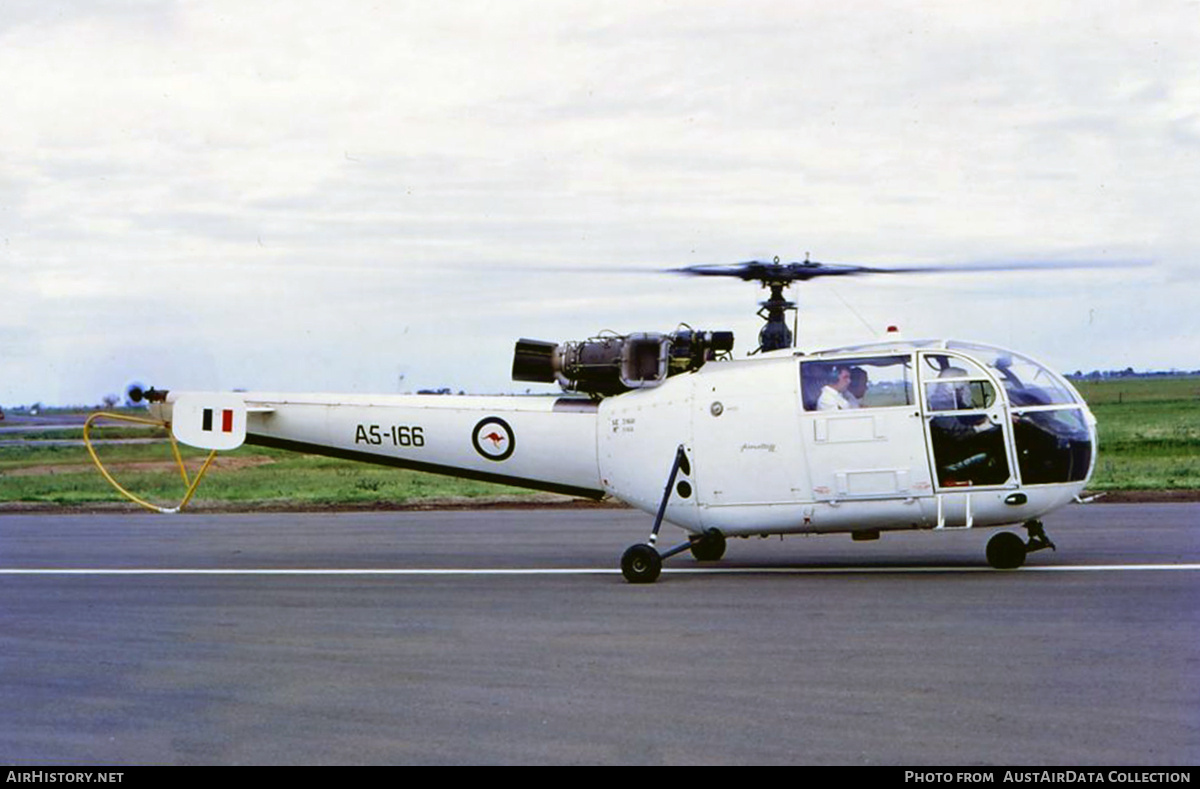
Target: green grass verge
(66, 475)
(1149, 432)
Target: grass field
(34, 472)
(1149, 440)
(1149, 432)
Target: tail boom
(541, 443)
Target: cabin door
(967, 430)
(873, 446)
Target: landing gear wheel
(641, 564)
(1006, 551)
(709, 547)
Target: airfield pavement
(509, 636)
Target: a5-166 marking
(397, 435)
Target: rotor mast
(775, 335)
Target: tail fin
(209, 420)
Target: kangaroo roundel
(493, 438)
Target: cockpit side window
(959, 395)
(955, 384)
(865, 382)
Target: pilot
(955, 396)
(967, 447)
(833, 394)
(857, 390)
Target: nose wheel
(1006, 551)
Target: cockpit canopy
(963, 388)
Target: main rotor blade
(757, 270)
(770, 271)
(1004, 265)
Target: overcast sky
(383, 196)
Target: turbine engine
(616, 363)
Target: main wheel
(641, 564)
(710, 547)
(1006, 551)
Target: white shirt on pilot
(832, 400)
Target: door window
(966, 432)
(866, 382)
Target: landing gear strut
(1038, 541)
(642, 563)
(1007, 551)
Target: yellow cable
(187, 483)
(190, 485)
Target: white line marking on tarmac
(135, 571)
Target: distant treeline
(1128, 372)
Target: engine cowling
(611, 364)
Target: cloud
(318, 198)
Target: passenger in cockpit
(832, 397)
(857, 390)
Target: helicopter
(928, 434)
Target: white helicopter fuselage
(760, 455)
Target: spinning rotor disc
(776, 276)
